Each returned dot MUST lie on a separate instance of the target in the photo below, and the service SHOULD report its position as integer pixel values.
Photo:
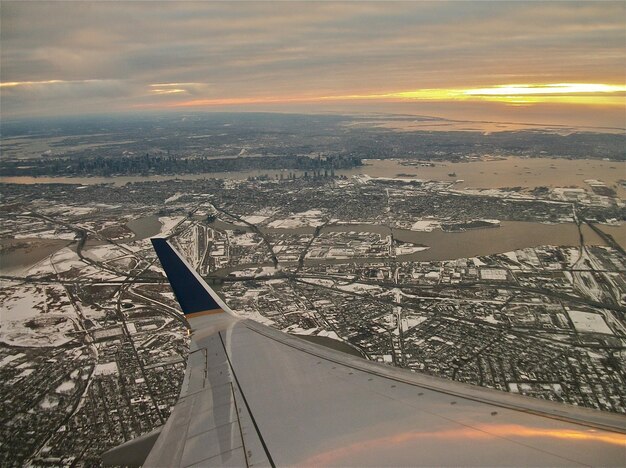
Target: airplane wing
(254, 396)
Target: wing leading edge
(193, 294)
(256, 396)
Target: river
(509, 172)
(505, 172)
(19, 254)
(511, 235)
(144, 227)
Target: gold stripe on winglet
(204, 312)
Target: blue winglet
(193, 294)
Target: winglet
(195, 297)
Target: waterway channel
(501, 172)
(144, 227)
(511, 235)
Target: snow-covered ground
(107, 368)
(247, 239)
(25, 318)
(410, 322)
(103, 252)
(90, 312)
(309, 218)
(329, 334)
(409, 249)
(254, 219)
(49, 402)
(63, 260)
(365, 178)
(321, 281)
(359, 287)
(491, 319)
(426, 225)
(174, 197)
(477, 261)
(66, 387)
(511, 256)
(68, 210)
(352, 287)
(589, 322)
(267, 271)
(169, 222)
(262, 271)
(253, 315)
(10, 358)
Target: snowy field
(168, 223)
(27, 317)
(425, 225)
(408, 249)
(254, 219)
(589, 323)
(310, 218)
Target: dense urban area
(191, 143)
(517, 287)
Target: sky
(518, 61)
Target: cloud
(265, 50)
(62, 97)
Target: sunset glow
(572, 93)
(558, 88)
(563, 93)
(483, 432)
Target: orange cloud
(12, 84)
